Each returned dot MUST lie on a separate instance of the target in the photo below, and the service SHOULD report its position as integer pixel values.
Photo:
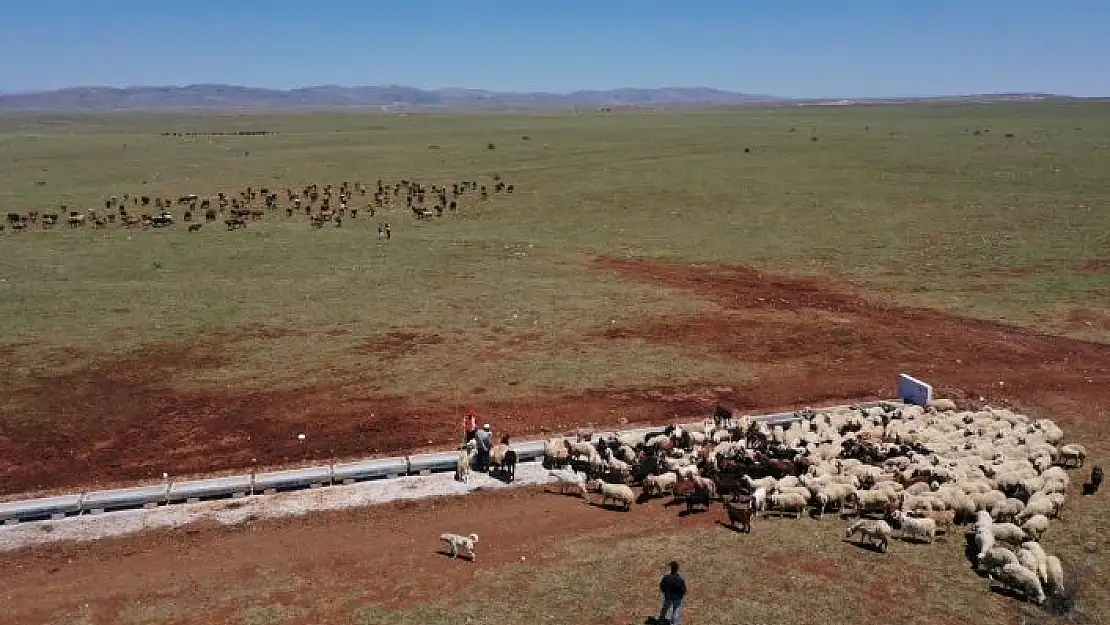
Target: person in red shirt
(470, 425)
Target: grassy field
(909, 201)
(934, 206)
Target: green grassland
(908, 201)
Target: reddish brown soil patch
(398, 344)
(1089, 318)
(850, 346)
(341, 551)
(1094, 267)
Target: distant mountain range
(211, 96)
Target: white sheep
(943, 405)
(759, 499)
(984, 541)
(983, 520)
(1040, 559)
(686, 472)
(1007, 510)
(556, 452)
(765, 482)
(943, 518)
(656, 485)
(919, 529)
(1008, 533)
(1023, 580)
(567, 478)
(875, 500)
(995, 558)
(872, 531)
(788, 482)
(789, 502)
(1055, 574)
(614, 493)
(833, 495)
(617, 465)
(1038, 505)
(987, 500)
(1035, 526)
(1073, 453)
(1028, 559)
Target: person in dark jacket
(484, 439)
(673, 588)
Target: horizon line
(29, 92)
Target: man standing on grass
(673, 588)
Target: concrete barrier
(383, 468)
(138, 497)
(423, 464)
(43, 508)
(273, 481)
(195, 490)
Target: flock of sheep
(320, 204)
(920, 471)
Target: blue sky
(816, 48)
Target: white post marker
(914, 391)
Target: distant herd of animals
(322, 206)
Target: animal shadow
(732, 528)
(447, 554)
(610, 507)
(1009, 593)
(865, 545)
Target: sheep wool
(1035, 526)
(1024, 581)
(1055, 574)
(615, 493)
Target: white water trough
(195, 490)
(45, 508)
(272, 482)
(383, 468)
(529, 451)
(423, 464)
(141, 496)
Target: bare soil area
(816, 342)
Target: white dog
(460, 545)
(466, 458)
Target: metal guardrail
(97, 502)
